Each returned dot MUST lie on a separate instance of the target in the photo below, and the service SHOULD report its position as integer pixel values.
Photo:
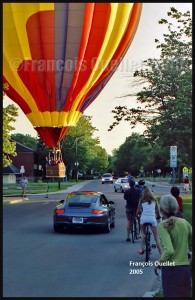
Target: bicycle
(135, 229)
(148, 245)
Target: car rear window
(82, 199)
(106, 175)
(124, 180)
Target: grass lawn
(36, 187)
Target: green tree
(25, 139)
(133, 154)
(78, 145)
(165, 101)
(9, 147)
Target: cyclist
(132, 196)
(141, 185)
(130, 177)
(149, 211)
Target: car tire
(57, 228)
(108, 226)
(115, 190)
(102, 182)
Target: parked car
(107, 178)
(84, 209)
(121, 184)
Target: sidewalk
(19, 199)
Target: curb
(70, 189)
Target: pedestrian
(149, 212)
(175, 192)
(175, 235)
(132, 196)
(23, 183)
(186, 184)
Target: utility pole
(77, 163)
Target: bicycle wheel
(136, 228)
(132, 233)
(147, 242)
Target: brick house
(25, 157)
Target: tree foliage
(165, 101)
(80, 146)
(9, 147)
(25, 139)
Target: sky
(121, 83)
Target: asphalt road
(40, 263)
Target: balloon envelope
(57, 57)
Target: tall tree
(78, 145)
(165, 102)
(25, 139)
(9, 147)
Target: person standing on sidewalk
(175, 192)
(23, 183)
(132, 196)
(186, 184)
(175, 234)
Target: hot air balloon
(57, 57)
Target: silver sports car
(84, 209)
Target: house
(9, 174)
(24, 163)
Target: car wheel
(107, 228)
(102, 182)
(57, 228)
(115, 190)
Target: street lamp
(76, 163)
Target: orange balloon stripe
(41, 83)
(119, 54)
(97, 33)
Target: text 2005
(135, 271)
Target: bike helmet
(141, 182)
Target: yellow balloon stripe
(120, 13)
(15, 16)
(54, 119)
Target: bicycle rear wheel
(132, 233)
(148, 247)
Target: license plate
(77, 220)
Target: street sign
(173, 156)
(22, 170)
(185, 171)
(173, 150)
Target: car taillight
(97, 212)
(60, 211)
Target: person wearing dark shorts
(132, 196)
(175, 236)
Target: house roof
(22, 148)
(11, 169)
